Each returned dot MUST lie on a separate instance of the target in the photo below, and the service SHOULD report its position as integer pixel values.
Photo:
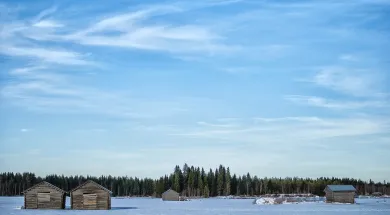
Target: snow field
(212, 206)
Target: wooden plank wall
(341, 197)
(44, 197)
(81, 199)
(170, 196)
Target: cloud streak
(39, 89)
(334, 104)
(46, 55)
(139, 30)
(295, 130)
(355, 82)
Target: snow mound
(287, 200)
(269, 201)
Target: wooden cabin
(376, 194)
(340, 193)
(170, 195)
(44, 196)
(90, 196)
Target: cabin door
(90, 201)
(43, 199)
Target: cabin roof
(96, 184)
(45, 183)
(341, 188)
(170, 190)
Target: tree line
(191, 181)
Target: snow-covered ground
(213, 206)
(288, 200)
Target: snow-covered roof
(341, 188)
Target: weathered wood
(44, 196)
(339, 196)
(170, 195)
(90, 196)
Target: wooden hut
(90, 196)
(340, 193)
(170, 195)
(44, 196)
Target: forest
(191, 181)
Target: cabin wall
(341, 197)
(102, 200)
(170, 196)
(53, 199)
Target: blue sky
(275, 88)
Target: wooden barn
(90, 196)
(44, 196)
(340, 193)
(170, 195)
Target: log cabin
(170, 195)
(44, 196)
(340, 193)
(90, 196)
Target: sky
(274, 88)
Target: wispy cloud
(139, 30)
(348, 57)
(39, 89)
(334, 104)
(45, 13)
(15, 42)
(356, 82)
(295, 130)
(47, 24)
(45, 54)
(355, 89)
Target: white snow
(269, 201)
(212, 206)
(288, 200)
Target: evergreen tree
(192, 181)
(176, 185)
(200, 185)
(227, 182)
(214, 185)
(206, 192)
(220, 181)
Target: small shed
(376, 194)
(340, 193)
(44, 196)
(90, 196)
(170, 195)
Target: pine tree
(206, 192)
(214, 186)
(227, 182)
(190, 183)
(176, 185)
(200, 184)
(220, 182)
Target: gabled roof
(341, 188)
(170, 190)
(96, 184)
(45, 183)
